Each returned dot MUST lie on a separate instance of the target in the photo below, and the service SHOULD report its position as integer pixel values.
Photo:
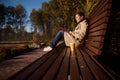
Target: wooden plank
(90, 52)
(85, 72)
(97, 70)
(95, 38)
(93, 49)
(98, 23)
(74, 71)
(51, 73)
(104, 10)
(39, 73)
(99, 17)
(64, 72)
(97, 33)
(95, 44)
(24, 73)
(100, 6)
(110, 73)
(99, 27)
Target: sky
(27, 4)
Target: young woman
(77, 36)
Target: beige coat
(77, 36)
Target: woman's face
(78, 18)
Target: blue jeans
(57, 38)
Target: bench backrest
(112, 39)
(98, 18)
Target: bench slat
(100, 7)
(51, 73)
(24, 73)
(95, 44)
(85, 72)
(104, 16)
(39, 73)
(74, 71)
(99, 27)
(97, 33)
(103, 73)
(95, 38)
(102, 22)
(99, 19)
(93, 49)
(97, 71)
(63, 72)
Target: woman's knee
(61, 32)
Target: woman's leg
(57, 38)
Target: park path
(11, 66)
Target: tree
(10, 15)
(12, 18)
(34, 17)
(2, 15)
(56, 13)
(20, 15)
(90, 4)
(59, 13)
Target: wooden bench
(61, 64)
(99, 19)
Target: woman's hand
(70, 32)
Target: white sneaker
(47, 48)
